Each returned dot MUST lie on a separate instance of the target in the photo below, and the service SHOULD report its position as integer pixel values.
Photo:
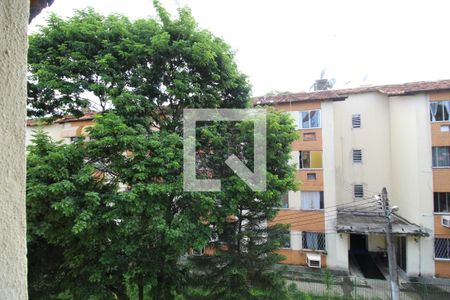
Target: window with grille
(357, 156)
(440, 111)
(313, 240)
(356, 121)
(441, 157)
(309, 119)
(358, 191)
(441, 201)
(442, 248)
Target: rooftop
(339, 95)
(88, 116)
(360, 222)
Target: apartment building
(66, 129)
(352, 143)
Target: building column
(336, 244)
(13, 58)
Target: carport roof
(359, 222)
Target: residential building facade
(66, 129)
(352, 143)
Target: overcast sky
(283, 45)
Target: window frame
(300, 159)
(300, 119)
(354, 152)
(282, 201)
(283, 246)
(448, 249)
(354, 191)
(437, 201)
(321, 201)
(312, 175)
(442, 130)
(356, 117)
(434, 155)
(319, 235)
(439, 102)
(312, 134)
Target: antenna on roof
(323, 84)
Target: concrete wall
(13, 57)
(373, 138)
(395, 141)
(412, 175)
(336, 244)
(53, 130)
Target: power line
(348, 204)
(320, 213)
(303, 223)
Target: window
(358, 191)
(440, 111)
(198, 252)
(441, 157)
(442, 248)
(309, 119)
(441, 202)
(309, 136)
(356, 121)
(285, 201)
(310, 159)
(313, 240)
(311, 176)
(357, 156)
(311, 200)
(286, 243)
(74, 139)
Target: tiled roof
(337, 95)
(88, 116)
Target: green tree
(242, 266)
(69, 232)
(138, 222)
(113, 210)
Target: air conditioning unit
(313, 260)
(445, 221)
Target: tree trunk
(120, 292)
(141, 291)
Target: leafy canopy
(109, 216)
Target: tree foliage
(109, 215)
(242, 266)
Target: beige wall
(412, 174)
(396, 146)
(53, 130)
(337, 244)
(13, 57)
(373, 138)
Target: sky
(284, 45)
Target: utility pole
(388, 211)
